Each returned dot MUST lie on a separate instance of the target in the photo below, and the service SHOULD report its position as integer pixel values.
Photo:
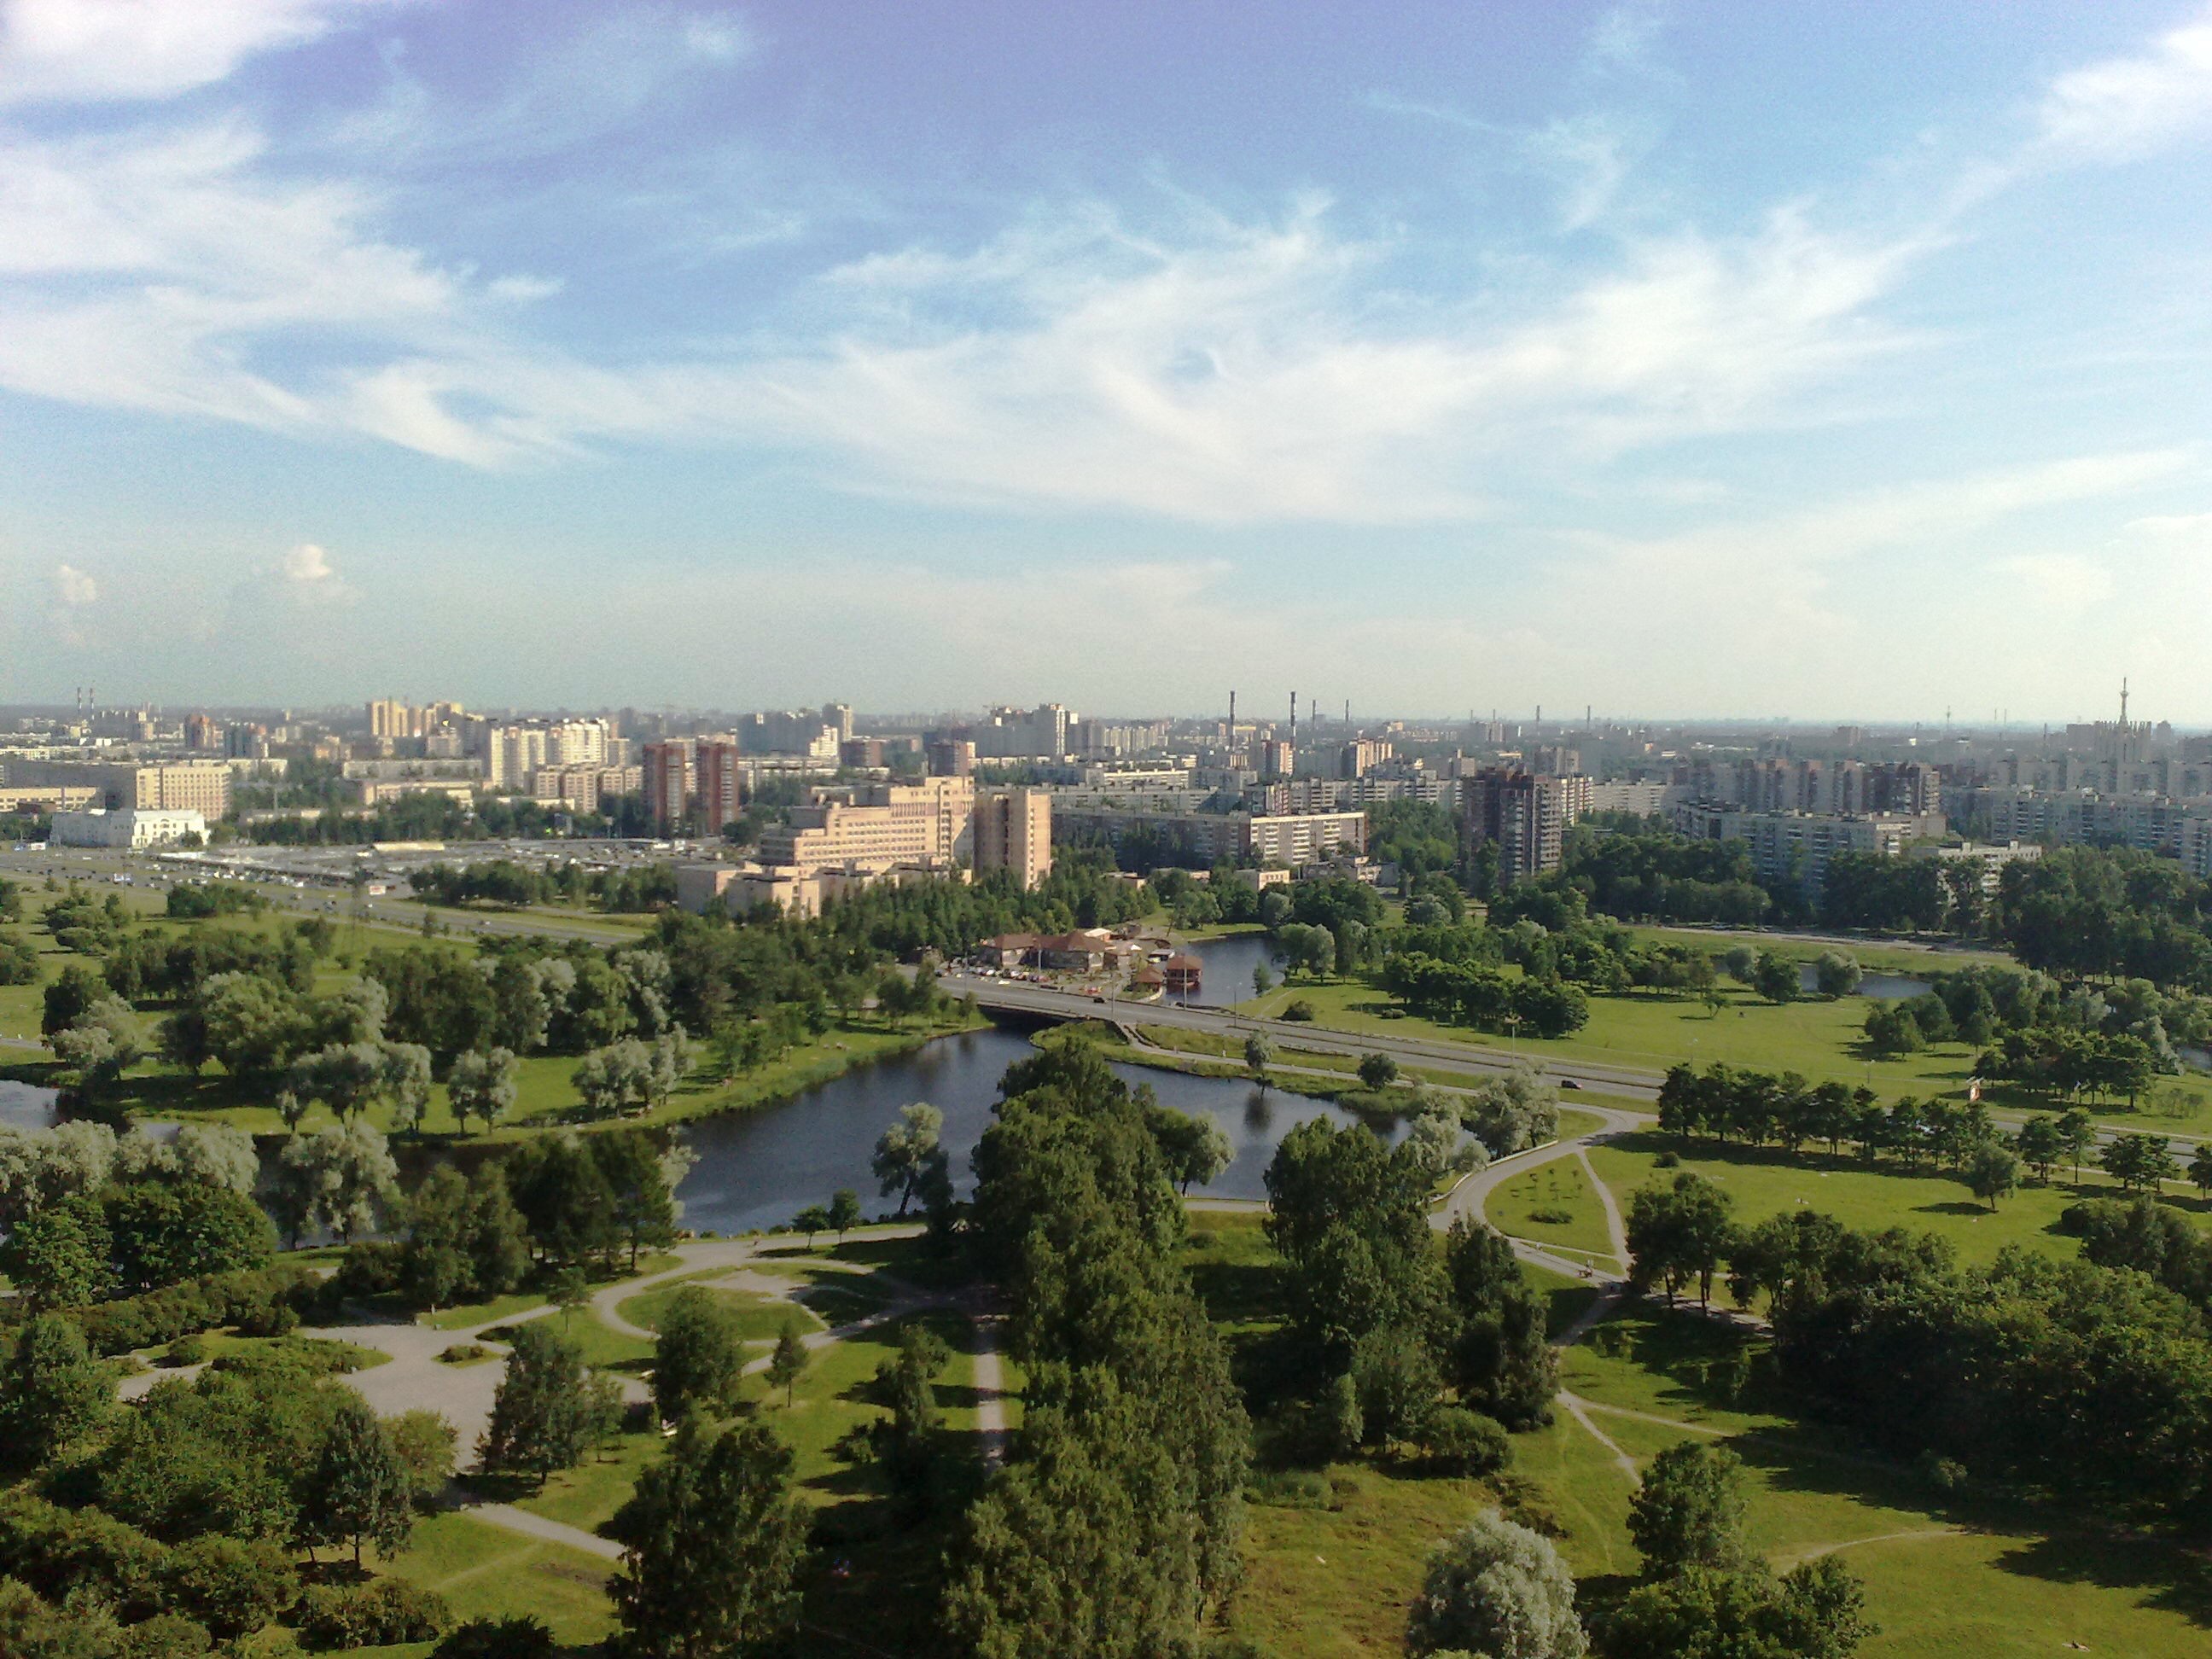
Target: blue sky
(1753, 359)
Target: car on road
(1569, 1083)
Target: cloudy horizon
(1781, 361)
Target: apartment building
(718, 781)
(1201, 840)
(202, 786)
(667, 783)
(1013, 833)
(1523, 814)
(1783, 844)
(1018, 734)
(2150, 823)
(148, 828)
(874, 828)
(1361, 756)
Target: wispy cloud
(564, 90)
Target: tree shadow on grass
(2177, 1580)
(2062, 1548)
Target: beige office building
(872, 827)
(1013, 832)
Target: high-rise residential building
(950, 757)
(1523, 813)
(514, 754)
(864, 754)
(390, 718)
(871, 828)
(1360, 757)
(203, 733)
(718, 780)
(667, 783)
(1015, 735)
(577, 743)
(1013, 833)
(1276, 758)
(839, 717)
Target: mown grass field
(1821, 1040)
(1765, 1181)
(1945, 1574)
(484, 1570)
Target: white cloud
(304, 578)
(2056, 581)
(2187, 527)
(2127, 107)
(88, 50)
(524, 289)
(72, 589)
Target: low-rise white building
(151, 827)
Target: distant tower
(1294, 718)
(1232, 714)
(2124, 702)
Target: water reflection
(26, 1106)
(759, 1169)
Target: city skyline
(1671, 360)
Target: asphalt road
(1625, 1081)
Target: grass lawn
(1552, 1203)
(758, 1318)
(1821, 1040)
(1765, 1181)
(1944, 1575)
(587, 1496)
(486, 1570)
(1573, 1123)
(602, 1345)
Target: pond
(759, 1169)
(26, 1106)
(1226, 977)
(1883, 988)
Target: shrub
(249, 1299)
(1456, 1441)
(1669, 1160)
(233, 1586)
(520, 1637)
(84, 1554)
(369, 1268)
(375, 1614)
(1299, 1010)
(462, 1353)
(188, 1350)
